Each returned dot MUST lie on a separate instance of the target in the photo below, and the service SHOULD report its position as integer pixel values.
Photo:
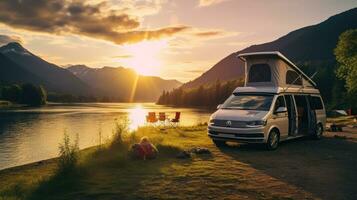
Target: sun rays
(145, 58)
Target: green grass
(108, 172)
(105, 171)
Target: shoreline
(328, 134)
(246, 171)
(44, 161)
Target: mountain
(10, 72)
(117, 83)
(314, 44)
(33, 69)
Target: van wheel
(219, 143)
(318, 132)
(273, 140)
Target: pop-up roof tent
(272, 69)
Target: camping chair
(162, 118)
(175, 121)
(151, 118)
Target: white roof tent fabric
(273, 69)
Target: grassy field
(234, 172)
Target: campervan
(278, 102)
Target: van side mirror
(281, 110)
(219, 106)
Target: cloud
(196, 71)
(209, 33)
(123, 56)
(138, 8)
(203, 3)
(5, 39)
(80, 18)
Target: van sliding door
(313, 120)
(292, 115)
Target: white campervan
(278, 102)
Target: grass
(5, 103)
(109, 173)
(343, 120)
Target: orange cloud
(77, 17)
(203, 3)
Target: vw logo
(229, 123)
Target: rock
(183, 155)
(200, 150)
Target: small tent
(274, 70)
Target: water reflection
(32, 134)
(137, 117)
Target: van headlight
(255, 124)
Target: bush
(121, 128)
(68, 154)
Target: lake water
(33, 134)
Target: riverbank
(300, 169)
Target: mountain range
(119, 82)
(313, 44)
(34, 69)
(18, 65)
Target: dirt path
(325, 168)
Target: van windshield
(248, 102)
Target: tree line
(206, 96)
(27, 93)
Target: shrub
(121, 127)
(68, 154)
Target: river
(33, 134)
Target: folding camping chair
(175, 121)
(162, 118)
(151, 118)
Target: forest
(27, 93)
(206, 96)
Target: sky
(172, 39)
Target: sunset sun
(144, 56)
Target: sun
(145, 56)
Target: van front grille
(232, 124)
(246, 135)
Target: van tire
(273, 140)
(219, 143)
(318, 132)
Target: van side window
(280, 102)
(293, 78)
(259, 73)
(315, 103)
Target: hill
(10, 72)
(312, 44)
(33, 69)
(118, 83)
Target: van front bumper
(246, 135)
